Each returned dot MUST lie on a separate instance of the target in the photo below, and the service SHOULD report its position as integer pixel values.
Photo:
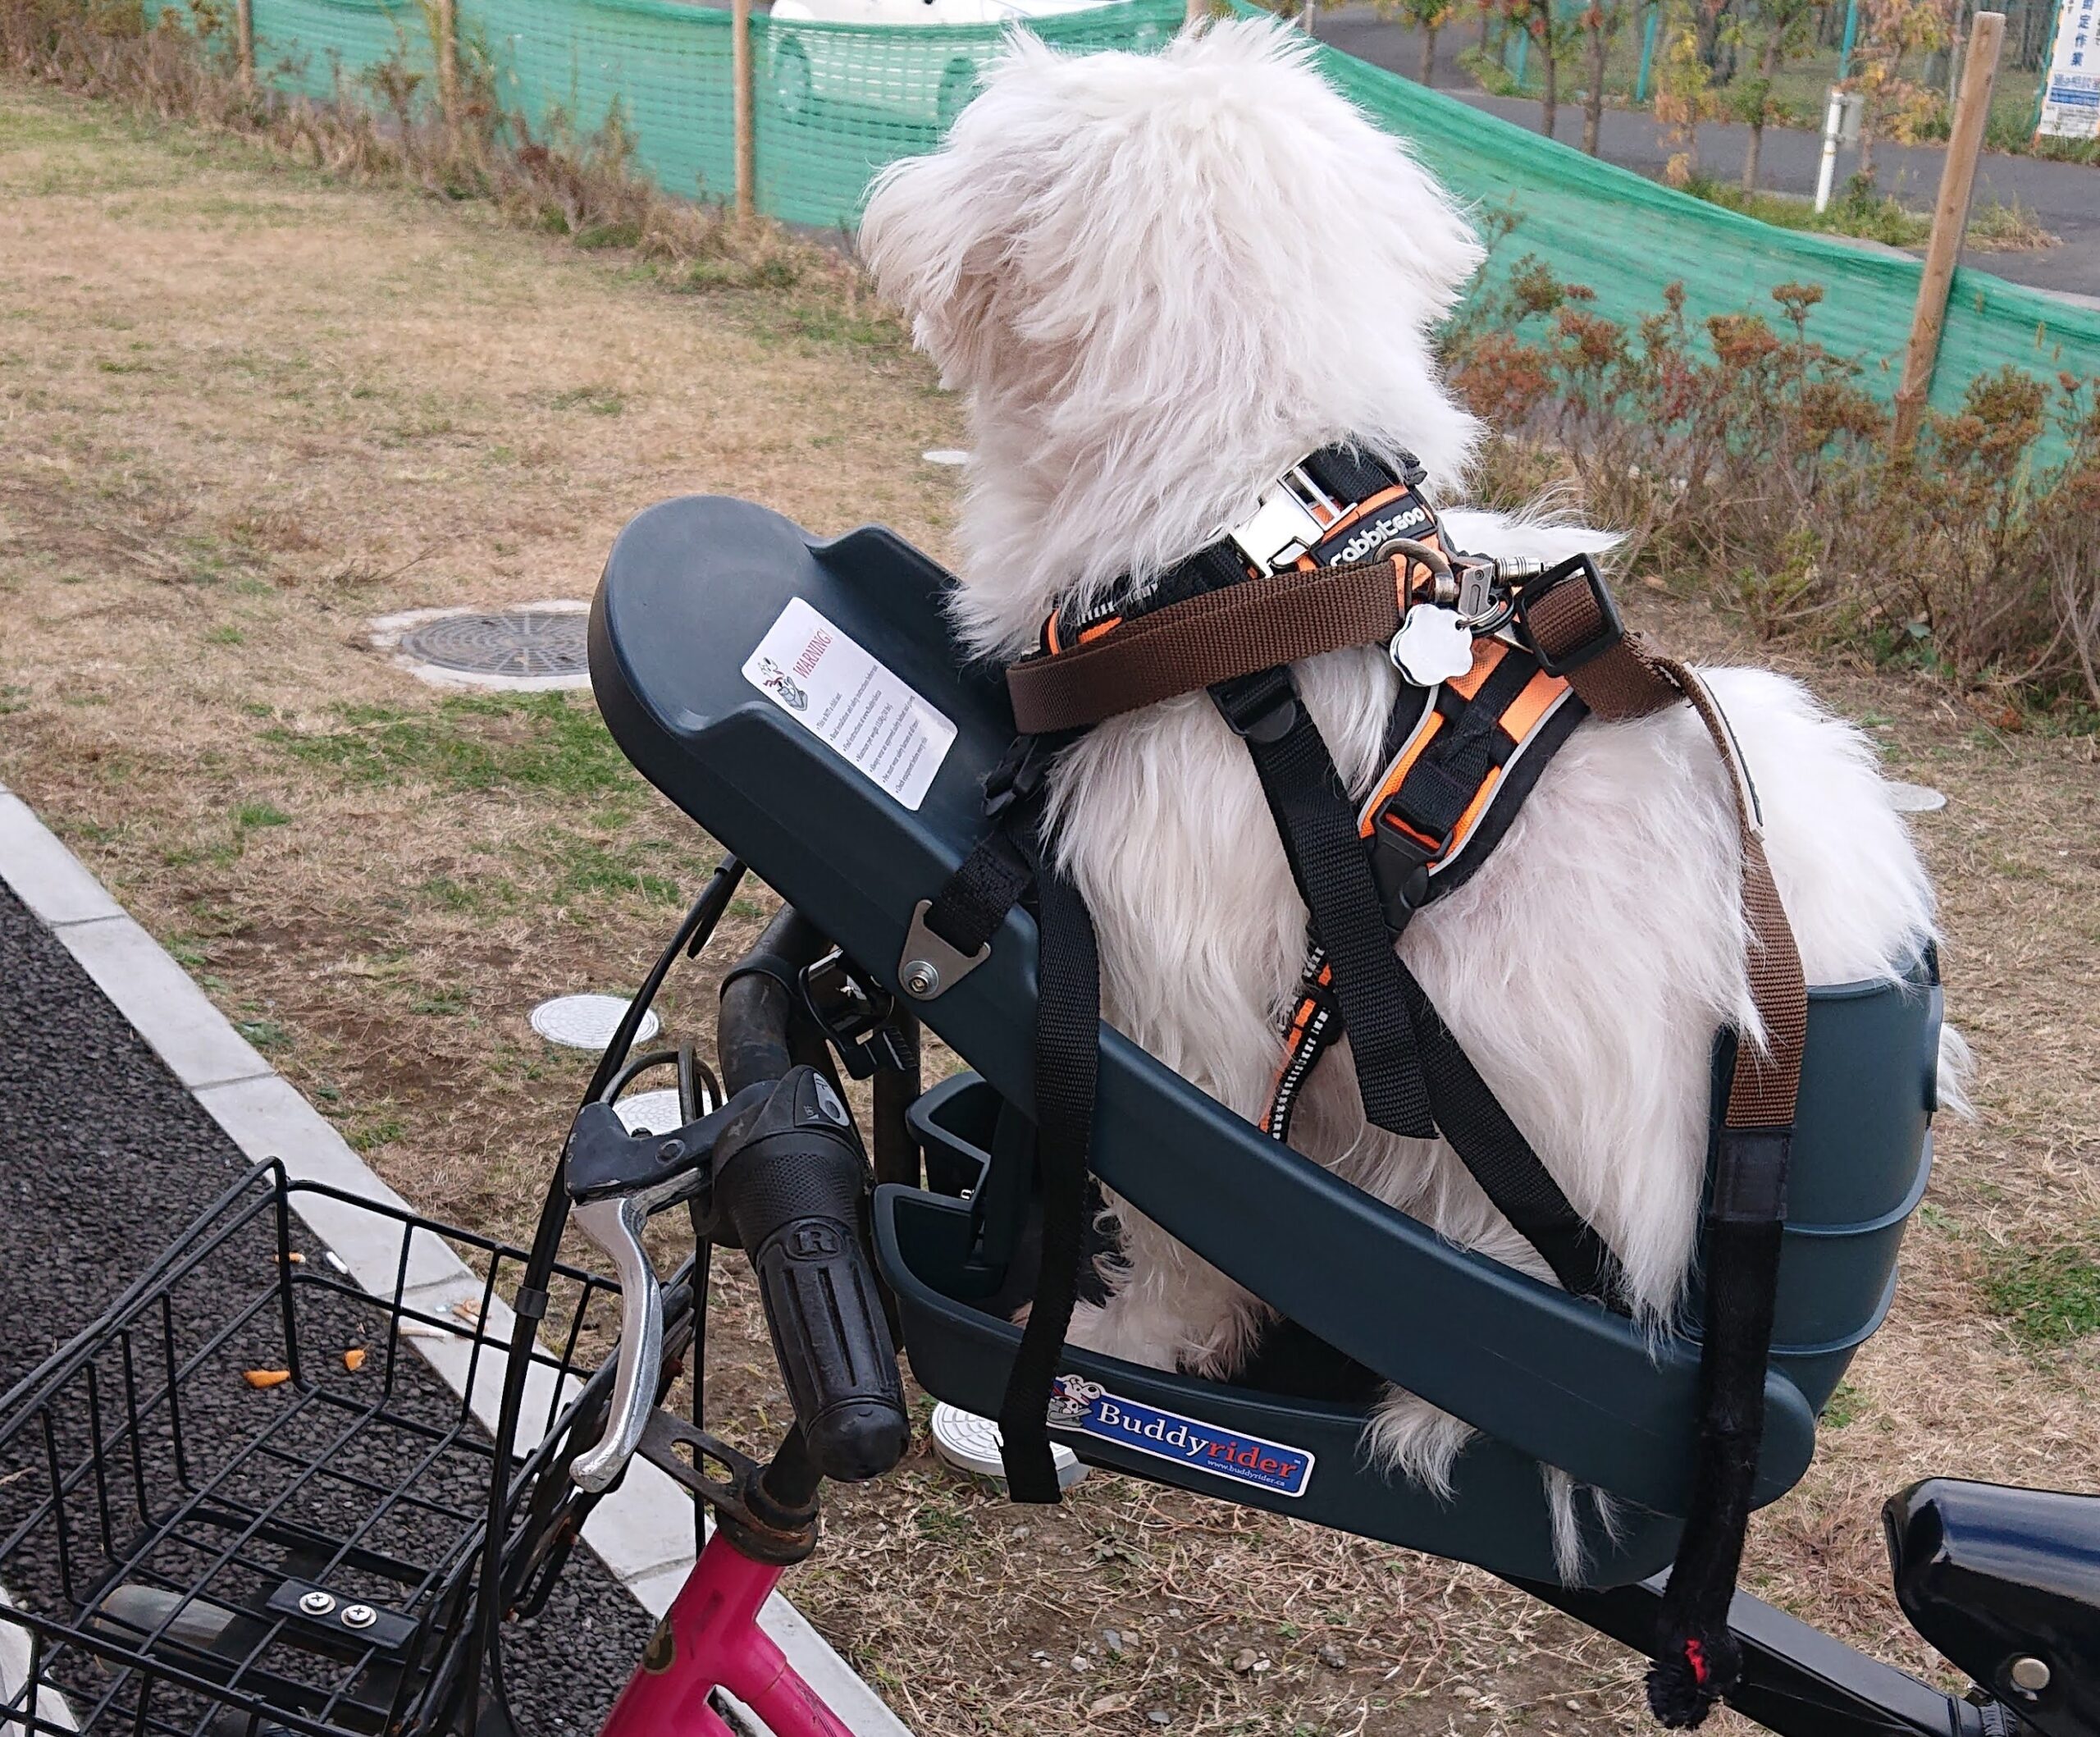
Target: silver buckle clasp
(1294, 514)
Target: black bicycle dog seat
(806, 703)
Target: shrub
(1742, 455)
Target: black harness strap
(966, 913)
(1493, 1150)
(1067, 1061)
(1317, 824)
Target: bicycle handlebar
(792, 1186)
(789, 1186)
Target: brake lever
(617, 1181)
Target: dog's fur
(1157, 281)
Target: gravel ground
(106, 1158)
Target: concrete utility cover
(970, 1443)
(1914, 798)
(946, 455)
(588, 1022)
(534, 645)
(650, 1111)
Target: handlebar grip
(790, 1187)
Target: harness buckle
(1609, 632)
(1287, 523)
(1399, 865)
(1261, 708)
(1018, 777)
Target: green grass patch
(600, 401)
(266, 1034)
(1843, 1407)
(252, 815)
(1860, 211)
(528, 741)
(587, 869)
(2050, 1297)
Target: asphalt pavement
(104, 1159)
(2064, 197)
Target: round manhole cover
(650, 1111)
(588, 1022)
(971, 1443)
(1914, 798)
(515, 643)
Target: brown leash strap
(1259, 624)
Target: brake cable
(529, 1304)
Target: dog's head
(1159, 279)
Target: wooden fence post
(445, 17)
(244, 20)
(1957, 181)
(740, 79)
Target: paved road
(2065, 196)
(103, 1159)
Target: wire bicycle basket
(253, 1496)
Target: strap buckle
(1288, 522)
(855, 1014)
(1018, 777)
(1399, 865)
(1609, 632)
(1261, 708)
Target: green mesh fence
(835, 102)
(1627, 238)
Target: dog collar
(1334, 507)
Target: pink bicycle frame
(711, 1638)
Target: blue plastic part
(691, 588)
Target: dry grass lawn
(246, 410)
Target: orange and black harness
(1499, 660)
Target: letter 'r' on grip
(790, 1188)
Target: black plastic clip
(1261, 708)
(1018, 776)
(855, 1013)
(1399, 865)
(1576, 567)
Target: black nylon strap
(967, 911)
(1317, 824)
(1444, 782)
(1493, 1148)
(1698, 1658)
(1067, 1061)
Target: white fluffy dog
(1157, 282)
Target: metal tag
(1432, 646)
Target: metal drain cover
(650, 1111)
(513, 642)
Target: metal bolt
(359, 1616)
(2029, 1674)
(316, 1604)
(920, 978)
(670, 1152)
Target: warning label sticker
(841, 692)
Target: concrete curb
(633, 1532)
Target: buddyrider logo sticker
(1076, 1403)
